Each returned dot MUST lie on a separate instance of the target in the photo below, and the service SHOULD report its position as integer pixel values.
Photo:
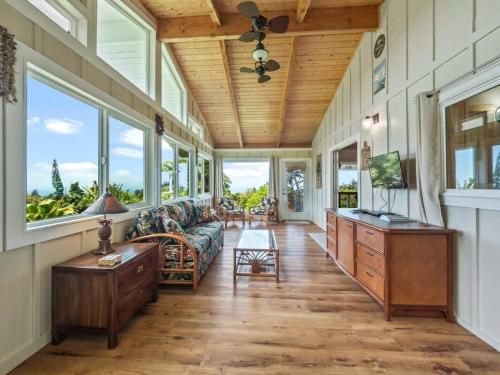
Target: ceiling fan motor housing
(259, 23)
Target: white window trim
(16, 232)
(209, 194)
(193, 121)
(167, 57)
(474, 198)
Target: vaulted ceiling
(314, 54)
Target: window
(203, 171)
(183, 172)
(172, 91)
(126, 162)
(195, 127)
(473, 141)
(62, 152)
(66, 170)
(124, 43)
(167, 171)
(64, 15)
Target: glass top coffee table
(256, 254)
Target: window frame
(133, 17)
(166, 57)
(192, 122)
(204, 194)
(483, 80)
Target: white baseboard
(483, 336)
(19, 356)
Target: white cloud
(123, 173)
(63, 126)
(133, 137)
(75, 169)
(128, 152)
(33, 121)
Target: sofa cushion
(201, 242)
(147, 222)
(213, 229)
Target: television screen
(385, 171)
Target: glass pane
(171, 94)
(207, 175)
(199, 169)
(62, 153)
(347, 177)
(167, 171)
(183, 167)
(246, 182)
(126, 162)
(60, 19)
(473, 141)
(295, 186)
(123, 44)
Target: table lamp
(106, 204)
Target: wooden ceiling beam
(337, 20)
(286, 90)
(214, 13)
(302, 8)
(227, 70)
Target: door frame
(356, 138)
(307, 189)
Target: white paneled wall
(428, 44)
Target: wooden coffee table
(256, 254)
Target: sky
(63, 128)
(245, 175)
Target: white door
(295, 189)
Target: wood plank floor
(316, 321)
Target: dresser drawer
(370, 279)
(371, 258)
(331, 219)
(131, 277)
(331, 245)
(370, 237)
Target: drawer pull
(141, 292)
(369, 274)
(370, 254)
(348, 225)
(369, 232)
(140, 268)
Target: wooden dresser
(406, 267)
(86, 295)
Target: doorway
(345, 176)
(295, 189)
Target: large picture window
(473, 141)
(62, 152)
(124, 43)
(126, 162)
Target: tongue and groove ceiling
(314, 54)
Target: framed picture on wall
(319, 180)
(379, 77)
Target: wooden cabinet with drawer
(86, 295)
(331, 235)
(405, 267)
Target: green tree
(56, 180)
(226, 185)
(496, 173)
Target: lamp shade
(106, 204)
(260, 53)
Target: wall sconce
(369, 121)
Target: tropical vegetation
(247, 199)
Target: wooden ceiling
(285, 111)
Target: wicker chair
(266, 211)
(228, 211)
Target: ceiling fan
(249, 10)
(261, 68)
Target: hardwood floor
(316, 321)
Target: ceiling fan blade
(271, 65)
(248, 9)
(279, 24)
(264, 78)
(249, 36)
(244, 69)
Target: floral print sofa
(188, 235)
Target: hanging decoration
(160, 127)
(8, 49)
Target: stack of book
(110, 260)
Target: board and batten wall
(25, 281)
(428, 44)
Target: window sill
(474, 198)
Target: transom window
(473, 142)
(172, 90)
(124, 43)
(195, 127)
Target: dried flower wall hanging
(160, 127)
(8, 49)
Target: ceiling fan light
(260, 53)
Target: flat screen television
(385, 171)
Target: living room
(300, 186)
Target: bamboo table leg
(234, 266)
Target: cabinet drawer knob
(140, 268)
(141, 292)
(369, 253)
(369, 274)
(369, 233)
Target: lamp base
(104, 248)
